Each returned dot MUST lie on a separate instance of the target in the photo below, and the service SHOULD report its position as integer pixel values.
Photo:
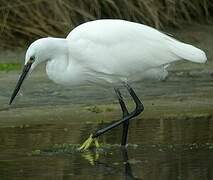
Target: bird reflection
(127, 167)
(93, 157)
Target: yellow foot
(88, 143)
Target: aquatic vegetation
(100, 109)
(36, 152)
(109, 109)
(74, 148)
(57, 149)
(95, 109)
(109, 148)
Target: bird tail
(187, 51)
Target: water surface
(159, 149)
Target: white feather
(112, 51)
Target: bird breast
(67, 73)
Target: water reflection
(126, 172)
(127, 167)
(162, 149)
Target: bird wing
(123, 48)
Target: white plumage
(110, 51)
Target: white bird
(108, 52)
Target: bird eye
(32, 59)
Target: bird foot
(89, 143)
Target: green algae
(72, 148)
(9, 66)
(109, 148)
(95, 109)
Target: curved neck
(54, 48)
(58, 60)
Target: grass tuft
(23, 21)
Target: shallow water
(160, 149)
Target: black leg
(128, 170)
(125, 133)
(138, 109)
(125, 113)
(139, 106)
(121, 102)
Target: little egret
(108, 52)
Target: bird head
(39, 51)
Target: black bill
(20, 81)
